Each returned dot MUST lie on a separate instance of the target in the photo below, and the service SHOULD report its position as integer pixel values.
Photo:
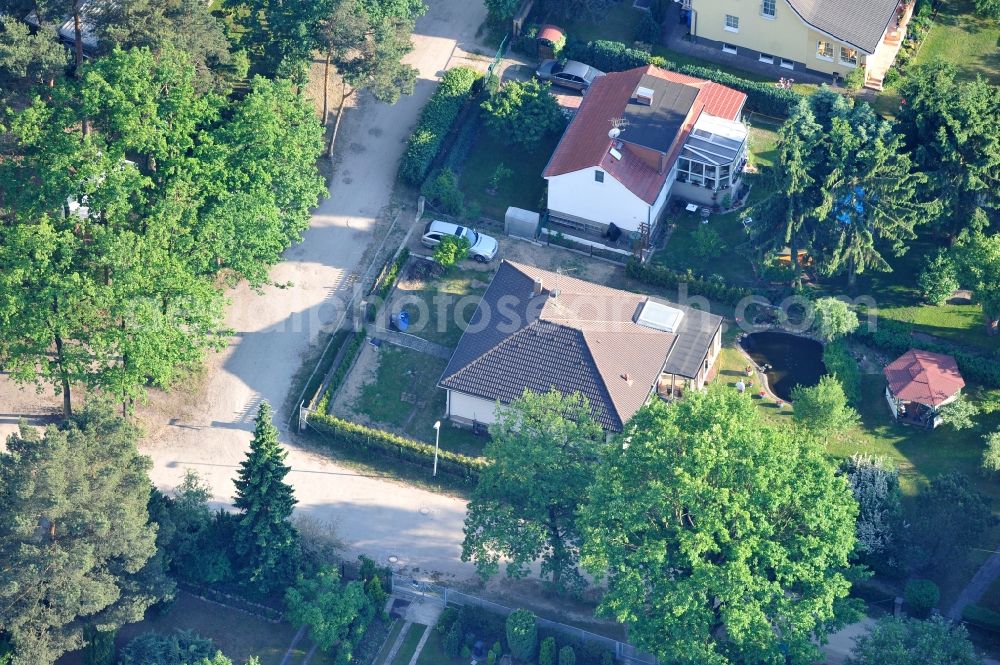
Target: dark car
(569, 74)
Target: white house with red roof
(639, 136)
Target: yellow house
(825, 36)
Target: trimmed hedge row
(609, 56)
(896, 338)
(387, 444)
(667, 278)
(982, 617)
(455, 89)
(382, 288)
(353, 346)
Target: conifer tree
(266, 541)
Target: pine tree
(266, 541)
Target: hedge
(382, 288)
(839, 362)
(354, 345)
(665, 277)
(896, 338)
(387, 444)
(609, 56)
(982, 617)
(436, 119)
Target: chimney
(643, 96)
(536, 290)
(554, 294)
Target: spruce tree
(266, 541)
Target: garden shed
(550, 40)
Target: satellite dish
(614, 133)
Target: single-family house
(538, 330)
(824, 36)
(638, 137)
(919, 383)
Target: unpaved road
(211, 431)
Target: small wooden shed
(550, 40)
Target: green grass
(409, 645)
(523, 189)
(433, 652)
(763, 146)
(619, 24)
(405, 397)
(439, 311)
(965, 40)
(390, 640)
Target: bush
(523, 112)
(855, 80)
(441, 189)
(834, 318)
(959, 414)
(567, 656)
(392, 274)
(346, 361)
(823, 407)
(707, 244)
(436, 119)
(991, 456)
(181, 648)
(921, 597)
(664, 277)
(371, 440)
(453, 640)
(938, 280)
(547, 652)
(100, 649)
(451, 250)
(449, 615)
(841, 364)
(648, 30)
(875, 485)
(522, 635)
(982, 617)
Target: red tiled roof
(551, 33)
(924, 377)
(586, 143)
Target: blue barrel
(402, 320)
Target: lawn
(524, 188)
(390, 639)
(405, 397)
(236, 634)
(618, 24)
(433, 651)
(970, 43)
(441, 308)
(409, 645)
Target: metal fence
(407, 587)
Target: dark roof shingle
(860, 23)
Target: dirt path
(977, 586)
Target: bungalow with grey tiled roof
(538, 330)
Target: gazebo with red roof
(919, 383)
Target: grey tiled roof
(584, 340)
(860, 23)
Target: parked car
(482, 248)
(569, 74)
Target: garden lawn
(405, 398)
(619, 24)
(440, 310)
(970, 43)
(524, 188)
(433, 651)
(390, 639)
(409, 645)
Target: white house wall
(579, 195)
(472, 409)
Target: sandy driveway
(274, 329)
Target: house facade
(619, 159)
(824, 36)
(538, 330)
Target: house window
(732, 23)
(728, 48)
(788, 64)
(824, 50)
(764, 57)
(767, 8)
(598, 176)
(848, 56)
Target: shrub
(647, 30)
(991, 456)
(100, 649)
(523, 112)
(707, 244)
(875, 486)
(441, 189)
(841, 364)
(346, 361)
(157, 649)
(392, 274)
(466, 652)
(522, 635)
(567, 656)
(451, 250)
(834, 318)
(449, 615)
(491, 657)
(855, 80)
(436, 119)
(547, 652)
(921, 597)
(959, 414)
(369, 439)
(497, 649)
(453, 640)
(823, 407)
(657, 275)
(939, 279)
(982, 617)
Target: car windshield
(469, 235)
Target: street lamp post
(437, 441)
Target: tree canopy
(724, 539)
(978, 258)
(543, 452)
(75, 536)
(823, 407)
(523, 112)
(906, 641)
(29, 57)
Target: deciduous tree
(978, 258)
(939, 279)
(947, 516)
(823, 407)
(834, 318)
(724, 539)
(75, 539)
(29, 58)
(542, 452)
(327, 607)
(875, 485)
(906, 641)
(523, 112)
(266, 540)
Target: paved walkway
(977, 586)
(413, 342)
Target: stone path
(413, 342)
(977, 586)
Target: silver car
(482, 248)
(569, 74)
